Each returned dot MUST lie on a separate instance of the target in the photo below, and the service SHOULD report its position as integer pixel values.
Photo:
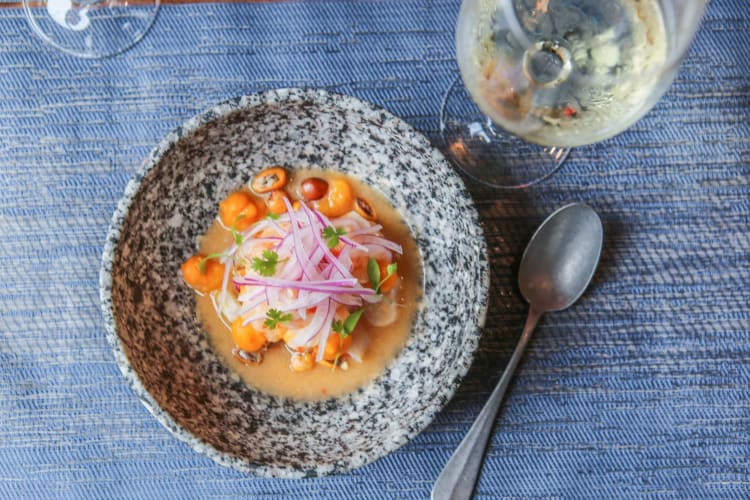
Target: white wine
(563, 72)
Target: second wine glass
(540, 76)
(91, 28)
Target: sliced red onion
(321, 244)
(379, 253)
(352, 219)
(308, 274)
(251, 246)
(250, 319)
(307, 333)
(345, 259)
(324, 221)
(351, 243)
(224, 285)
(269, 281)
(376, 240)
(304, 303)
(302, 256)
(347, 300)
(256, 228)
(330, 289)
(219, 310)
(290, 270)
(366, 230)
(325, 332)
(249, 306)
(313, 263)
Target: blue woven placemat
(642, 389)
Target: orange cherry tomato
(231, 207)
(248, 216)
(206, 281)
(338, 199)
(275, 202)
(246, 337)
(336, 345)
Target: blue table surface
(641, 389)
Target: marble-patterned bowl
(149, 313)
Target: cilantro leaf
(331, 235)
(274, 317)
(272, 216)
(265, 266)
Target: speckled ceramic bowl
(149, 313)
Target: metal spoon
(556, 268)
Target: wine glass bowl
(558, 73)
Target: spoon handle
(457, 480)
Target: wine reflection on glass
(538, 77)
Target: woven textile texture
(641, 389)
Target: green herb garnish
(391, 269)
(272, 216)
(373, 273)
(236, 234)
(337, 326)
(350, 323)
(204, 261)
(331, 235)
(265, 266)
(274, 317)
(346, 327)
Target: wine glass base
(487, 153)
(91, 28)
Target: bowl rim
(167, 144)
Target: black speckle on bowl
(149, 312)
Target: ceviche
(308, 268)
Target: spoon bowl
(561, 258)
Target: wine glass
(541, 76)
(91, 28)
